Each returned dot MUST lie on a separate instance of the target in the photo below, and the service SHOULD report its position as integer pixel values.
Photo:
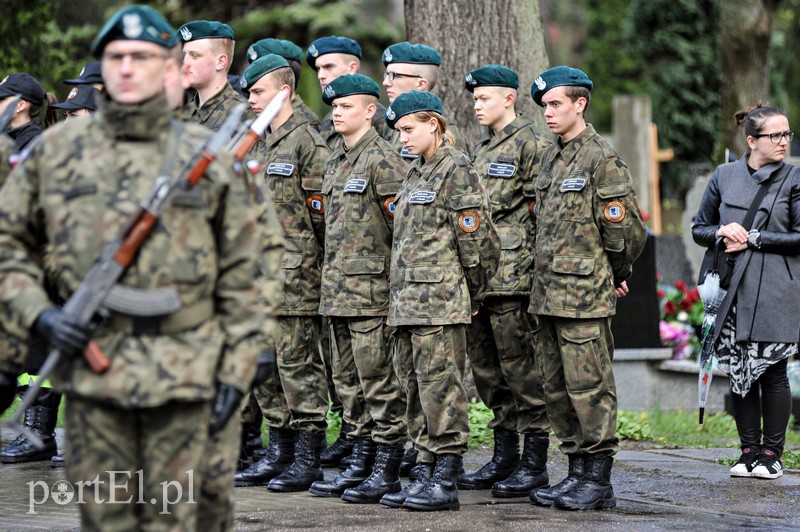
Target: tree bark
(745, 36)
(473, 33)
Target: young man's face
(133, 70)
(489, 105)
(331, 66)
(262, 92)
(200, 62)
(563, 116)
(400, 78)
(351, 113)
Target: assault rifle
(88, 303)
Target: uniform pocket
(583, 369)
(574, 278)
(430, 348)
(364, 278)
(371, 351)
(290, 265)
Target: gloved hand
(265, 367)
(8, 388)
(225, 404)
(63, 333)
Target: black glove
(8, 388)
(225, 404)
(265, 367)
(63, 332)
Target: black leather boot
(409, 461)
(41, 420)
(546, 496)
(531, 473)
(279, 456)
(305, 469)
(396, 500)
(341, 448)
(441, 493)
(251, 437)
(57, 461)
(358, 471)
(594, 492)
(504, 460)
(385, 477)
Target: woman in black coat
(757, 329)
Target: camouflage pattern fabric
(218, 467)
(300, 107)
(216, 109)
(334, 139)
(578, 379)
(205, 245)
(156, 448)
(327, 360)
(589, 229)
(430, 363)
(6, 149)
(503, 364)
(445, 248)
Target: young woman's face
(418, 137)
(762, 150)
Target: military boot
(57, 461)
(251, 438)
(504, 460)
(546, 496)
(279, 456)
(341, 448)
(441, 493)
(594, 492)
(396, 500)
(305, 469)
(358, 471)
(40, 419)
(385, 477)
(531, 473)
(409, 461)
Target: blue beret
(557, 76)
(89, 74)
(80, 97)
(491, 76)
(331, 45)
(135, 23)
(205, 29)
(348, 85)
(28, 88)
(286, 49)
(405, 52)
(411, 102)
(260, 68)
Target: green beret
(286, 49)
(205, 29)
(331, 45)
(135, 23)
(405, 52)
(557, 76)
(411, 102)
(491, 76)
(348, 85)
(260, 68)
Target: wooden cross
(656, 156)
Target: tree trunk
(473, 33)
(745, 36)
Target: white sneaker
(747, 462)
(769, 465)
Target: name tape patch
(421, 197)
(502, 170)
(284, 169)
(356, 186)
(573, 184)
(405, 154)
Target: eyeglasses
(775, 138)
(136, 57)
(391, 76)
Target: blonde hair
(224, 46)
(441, 124)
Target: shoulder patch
(389, 205)
(316, 204)
(614, 211)
(284, 169)
(469, 221)
(532, 209)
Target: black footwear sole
(455, 506)
(599, 505)
(328, 494)
(24, 459)
(250, 483)
(538, 501)
(392, 504)
(511, 494)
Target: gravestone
(631, 122)
(635, 325)
(694, 252)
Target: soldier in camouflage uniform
(171, 376)
(445, 251)
(292, 158)
(499, 339)
(294, 56)
(332, 57)
(6, 149)
(414, 67)
(361, 181)
(207, 57)
(589, 230)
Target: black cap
(23, 84)
(89, 74)
(80, 97)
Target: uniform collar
(426, 168)
(295, 120)
(141, 121)
(203, 111)
(488, 134)
(569, 150)
(353, 153)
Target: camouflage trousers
(366, 381)
(301, 377)
(574, 360)
(327, 354)
(147, 460)
(430, 362)
(501, 354)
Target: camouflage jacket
(359, 188)
(393, 137)
(6, 149)
(292, 161)
(299, 106)
(334, 139)
(508, 163)
(214, 111)
(79, 185)
(445, 248)
(589, 229)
